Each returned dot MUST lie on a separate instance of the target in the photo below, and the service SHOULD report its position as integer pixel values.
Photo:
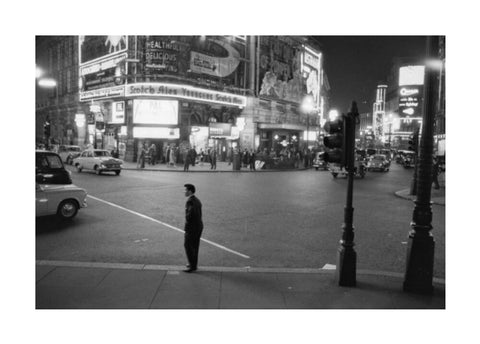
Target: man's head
(189, 189)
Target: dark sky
(356, 64)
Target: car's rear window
(102, 153)
(49, 160)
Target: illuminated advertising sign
(311, 66)
(92, 48)
(185, 92)
(103, 93)
(411, 75)
(118, 112)
(154, 111)
(156, 133)
(104, 73)
(220, 129)
(162, 54)
(289, 70)
(201, 58)
(410, 100)
(215, 65)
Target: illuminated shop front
(165, 114)
(162, 90)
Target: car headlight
(102, 166)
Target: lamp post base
(419, 273)
(346, 266)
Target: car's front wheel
(97, 170)
(79, 168)
(117, 172)
(67, 209)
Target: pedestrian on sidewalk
(435, 173)
(202, 156)
(193, 227)
(186, 160)
(252, 160)
(213, 159)
(141, 159)
(173, 157)
(152, 151)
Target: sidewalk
(77, 285)
(202, 167)
(437, 196)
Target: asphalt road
(272, 219)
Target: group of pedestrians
(248, 159)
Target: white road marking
(167, 225)
(329, 267)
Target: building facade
(207, 92)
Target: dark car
(49, 169)
(378, 162)
(319, 161)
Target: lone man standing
(193, 227)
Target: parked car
(61, 200)
(378, 162)
(98, 160)
(319, 161)
(68, 153)
(49, 169)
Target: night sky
(356, 64)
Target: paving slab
(125, 289)
(250, 291)
(188, 291)
(42, 271)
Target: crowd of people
(173, 155)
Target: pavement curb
(247, 269)
(405, 194)
(211, 171)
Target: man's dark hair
(190, 187)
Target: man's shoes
(190, 269)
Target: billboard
(92, 48)
(118, 112)
(281, 74)
(411, 75)
(410, 101)
(220, 129)
(156, 133)
(155, 111)
(212, 60)
(109, 72)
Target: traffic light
(46, 128)
(413, 142)
(335, 141)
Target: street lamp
(47, 83)
(308, 106)
(390, 122)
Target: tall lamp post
(421, 245)
(308, 107)
(390, 122)
(48, 83)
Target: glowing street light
(47, 83)
(38, 72)
(332, 114)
